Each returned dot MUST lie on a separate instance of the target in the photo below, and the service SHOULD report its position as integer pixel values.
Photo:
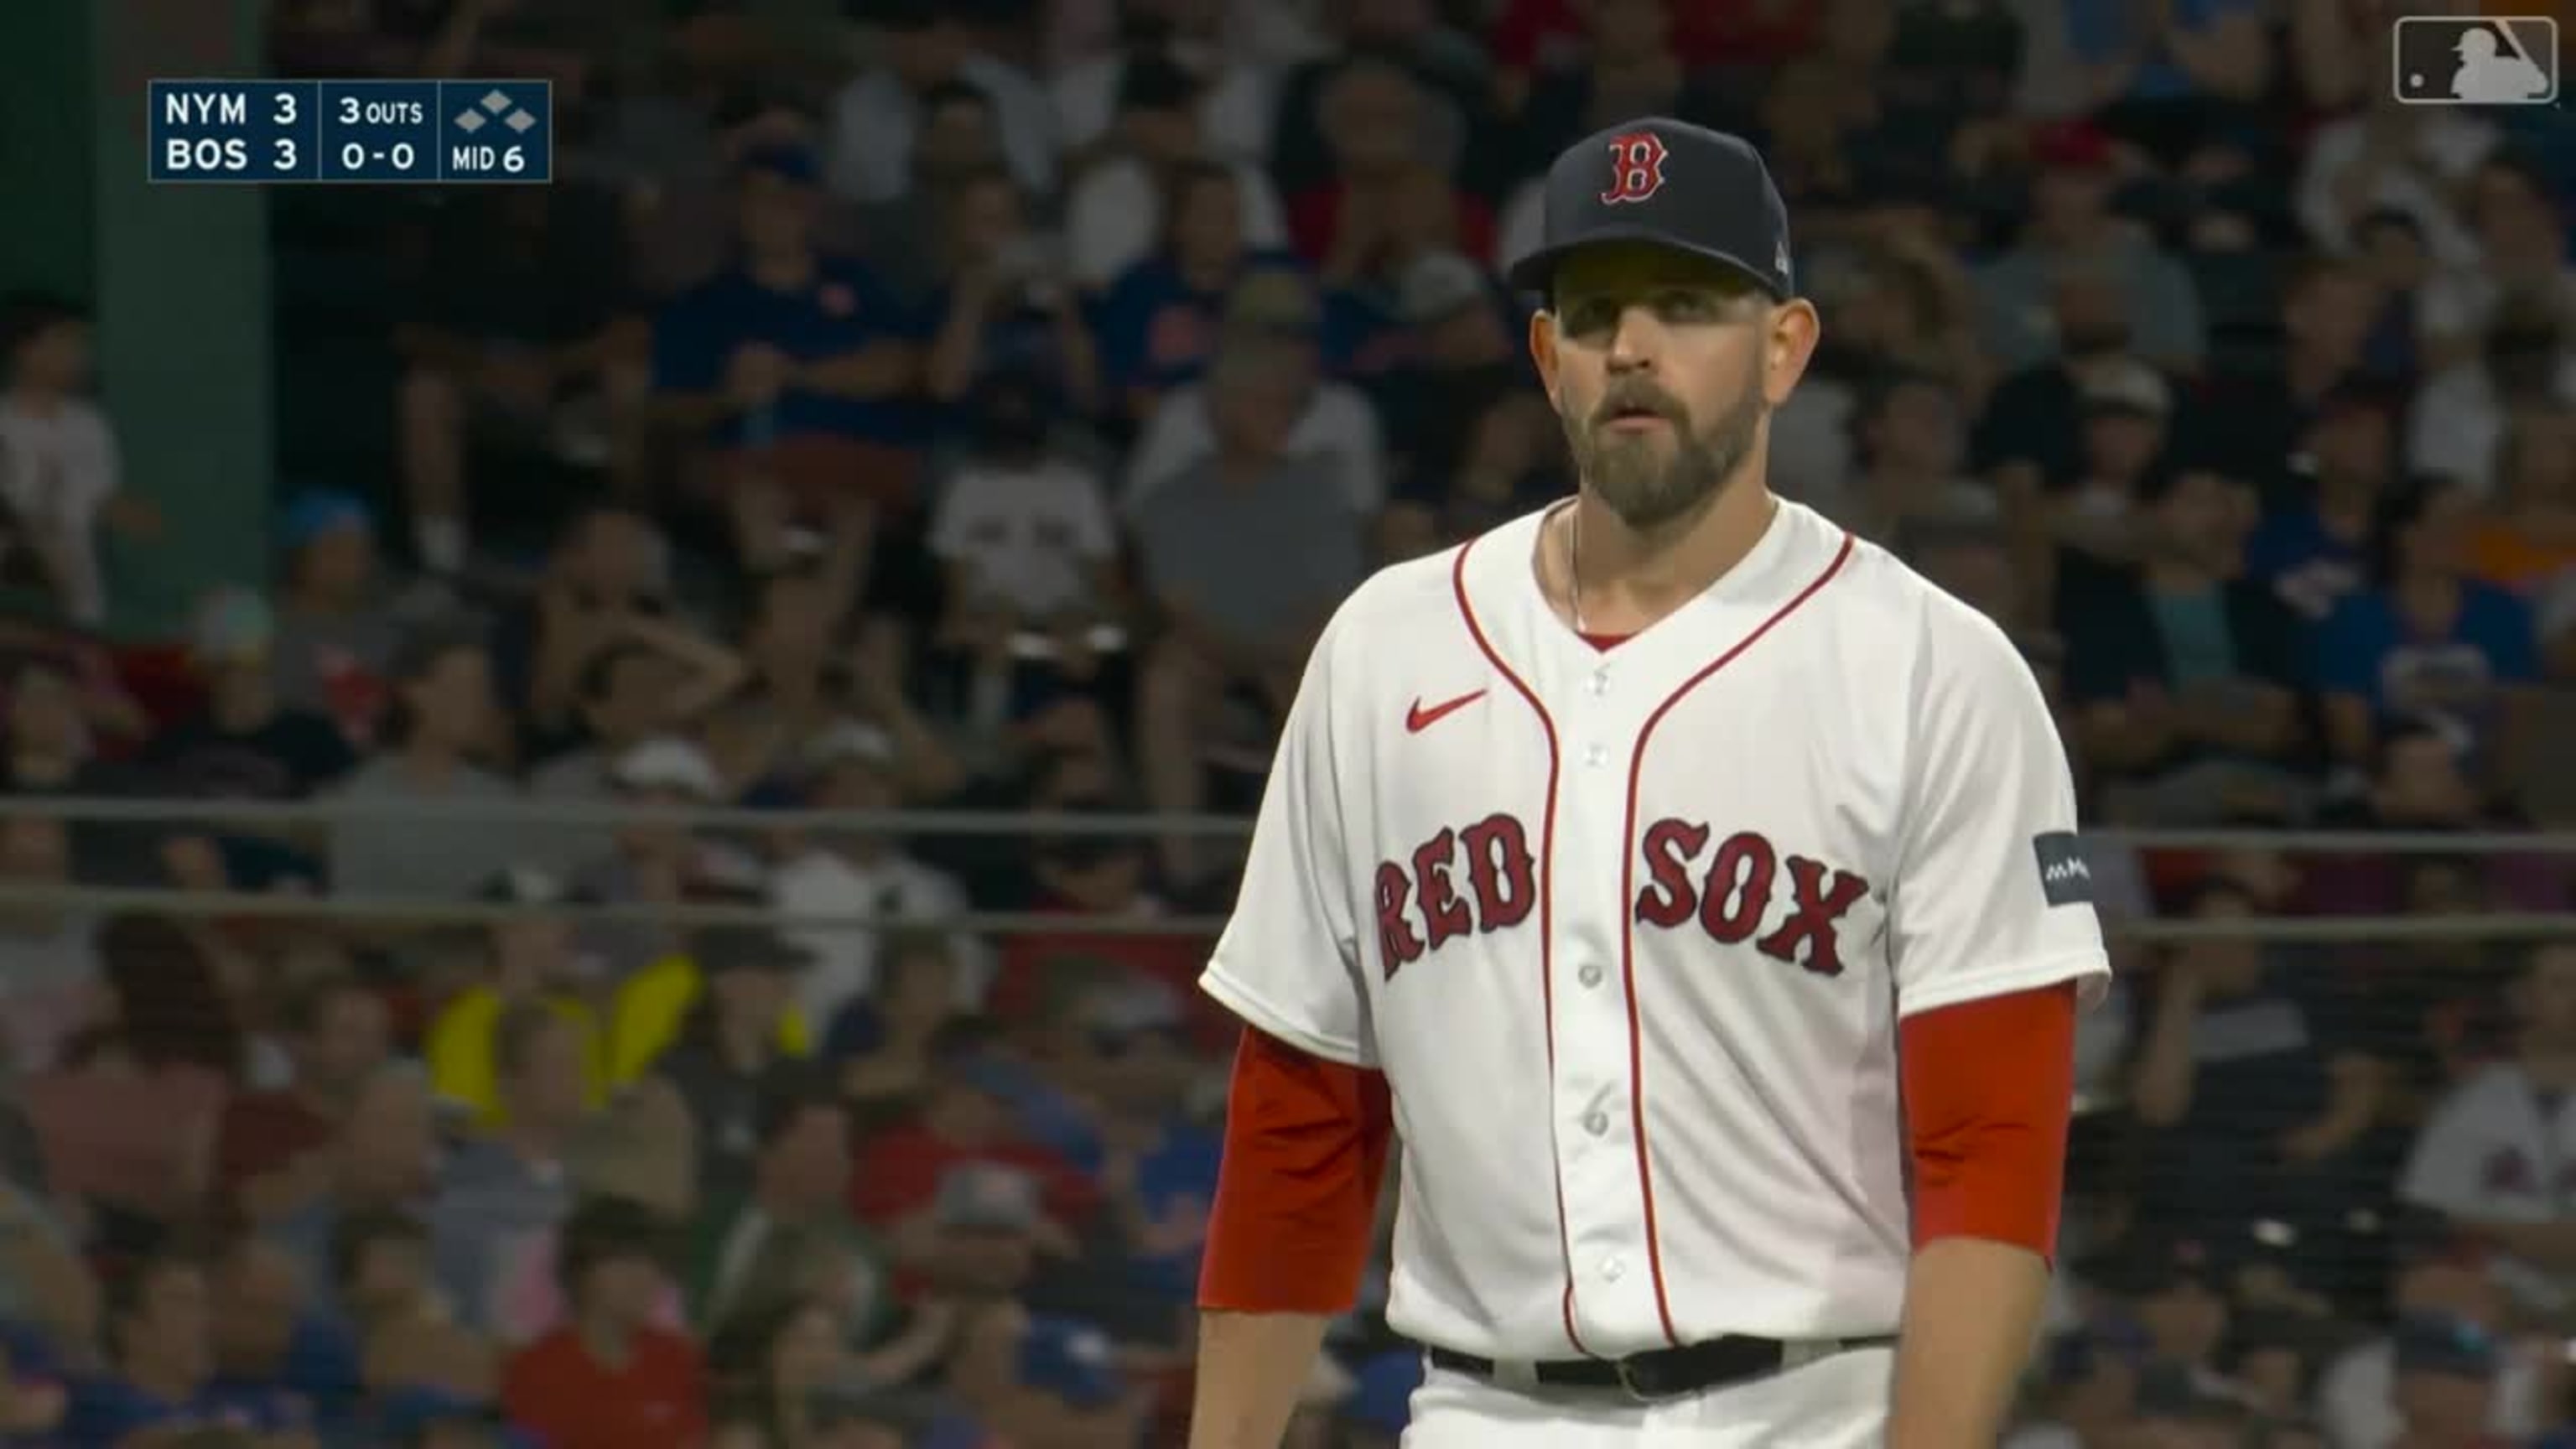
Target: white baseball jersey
(2498, 1150)
(1629, 932)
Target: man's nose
(1635, 341)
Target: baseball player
(1690, 887)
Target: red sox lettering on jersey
(1630, 932)
(1729, 896)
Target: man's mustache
(1637, 399)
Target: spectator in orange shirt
(2527, 541)
(610, 1379)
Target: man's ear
(1542, 349)
(1793, 329)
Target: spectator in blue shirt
(1043, 1378)
(162, 1338)
(1007, 304)
(2314, 551)
(2427, 643)
(271, 1342)
(795, 365)
(1158, 320)
(432, 1419)
(33, 1401)
(1159, 1163)
(2168, 55)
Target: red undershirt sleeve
(1989, 1093)
(1296, 1197)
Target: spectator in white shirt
(2396, 157)
(925, 45)
(1023, 532)
(1114, 212)
(50, 984)
(2522, 259)
(2499, 1156)
(1233, 96)
(60, 479)
(2460, 416)
(848, 874)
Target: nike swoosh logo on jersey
(1418, 718)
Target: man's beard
(2086, 342)
(1633, 478)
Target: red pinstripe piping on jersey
(1628, 925)
(1546, 914)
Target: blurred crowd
(978, 405)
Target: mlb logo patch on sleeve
(2064, 878)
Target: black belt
(1663, 1373)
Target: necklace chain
(1574, 560)
(1574, 566)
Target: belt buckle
(1633, 1385)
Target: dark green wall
(179, 275)
(46, 150)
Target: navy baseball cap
(1665, 183)
(2440, 1344)
(787, 162)
(314, 514)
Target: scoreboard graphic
(492, 132)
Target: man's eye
(1587, 318)
(1680, 304)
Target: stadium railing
(555, 814)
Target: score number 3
(285, 117)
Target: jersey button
(1596, 755)
(1589, 975)
(1611, 1269)
(1597, 1123)
(1599, 684)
